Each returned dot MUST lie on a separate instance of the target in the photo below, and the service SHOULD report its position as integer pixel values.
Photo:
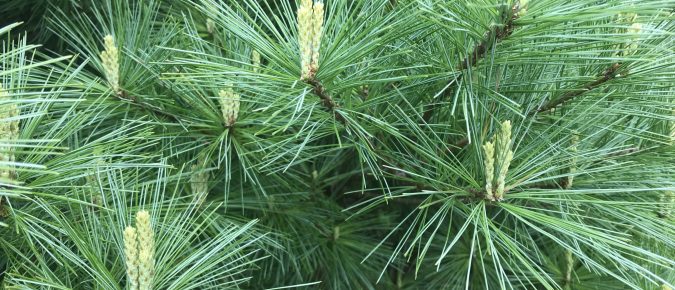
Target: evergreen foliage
(337, 144)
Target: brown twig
(326, 100)
(495, 34)
(498, 33)
(320, 90)
(608, 75)
(134, 100)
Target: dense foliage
(343, 144)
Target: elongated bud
(199, 184)
(229, 106)
(4, 212)
(523, 7)
(569, 259)
(305, 37)
(672, 128)
(146, 251)
(255, 60)
(131, 256)
(9, 133)
(210, 26)
(489, 162)
(634, 31)
(310, 29)
(504, 155)
(317, 31)
(110, 61)
(573, 163)
(667, 201)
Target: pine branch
(134, 101)
(321, 92)
(497, 33)
(410, 189)
(326, 100)
(608, 75)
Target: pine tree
(337, 144)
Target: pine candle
(310, 28)
(498, 156)
(9, 132)
(489, 162)
(199, 184)
(146, 251)
(131, 256)
(110, 60)
(139, 250)
(229, 105)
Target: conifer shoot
(110, 60)
(573, 163)
(146, 251)
(131, 256)
(139, 251)
(505, 157)
(229, 105)
(489, 162)
(310, 28)
(9, 133)
(498, 156)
